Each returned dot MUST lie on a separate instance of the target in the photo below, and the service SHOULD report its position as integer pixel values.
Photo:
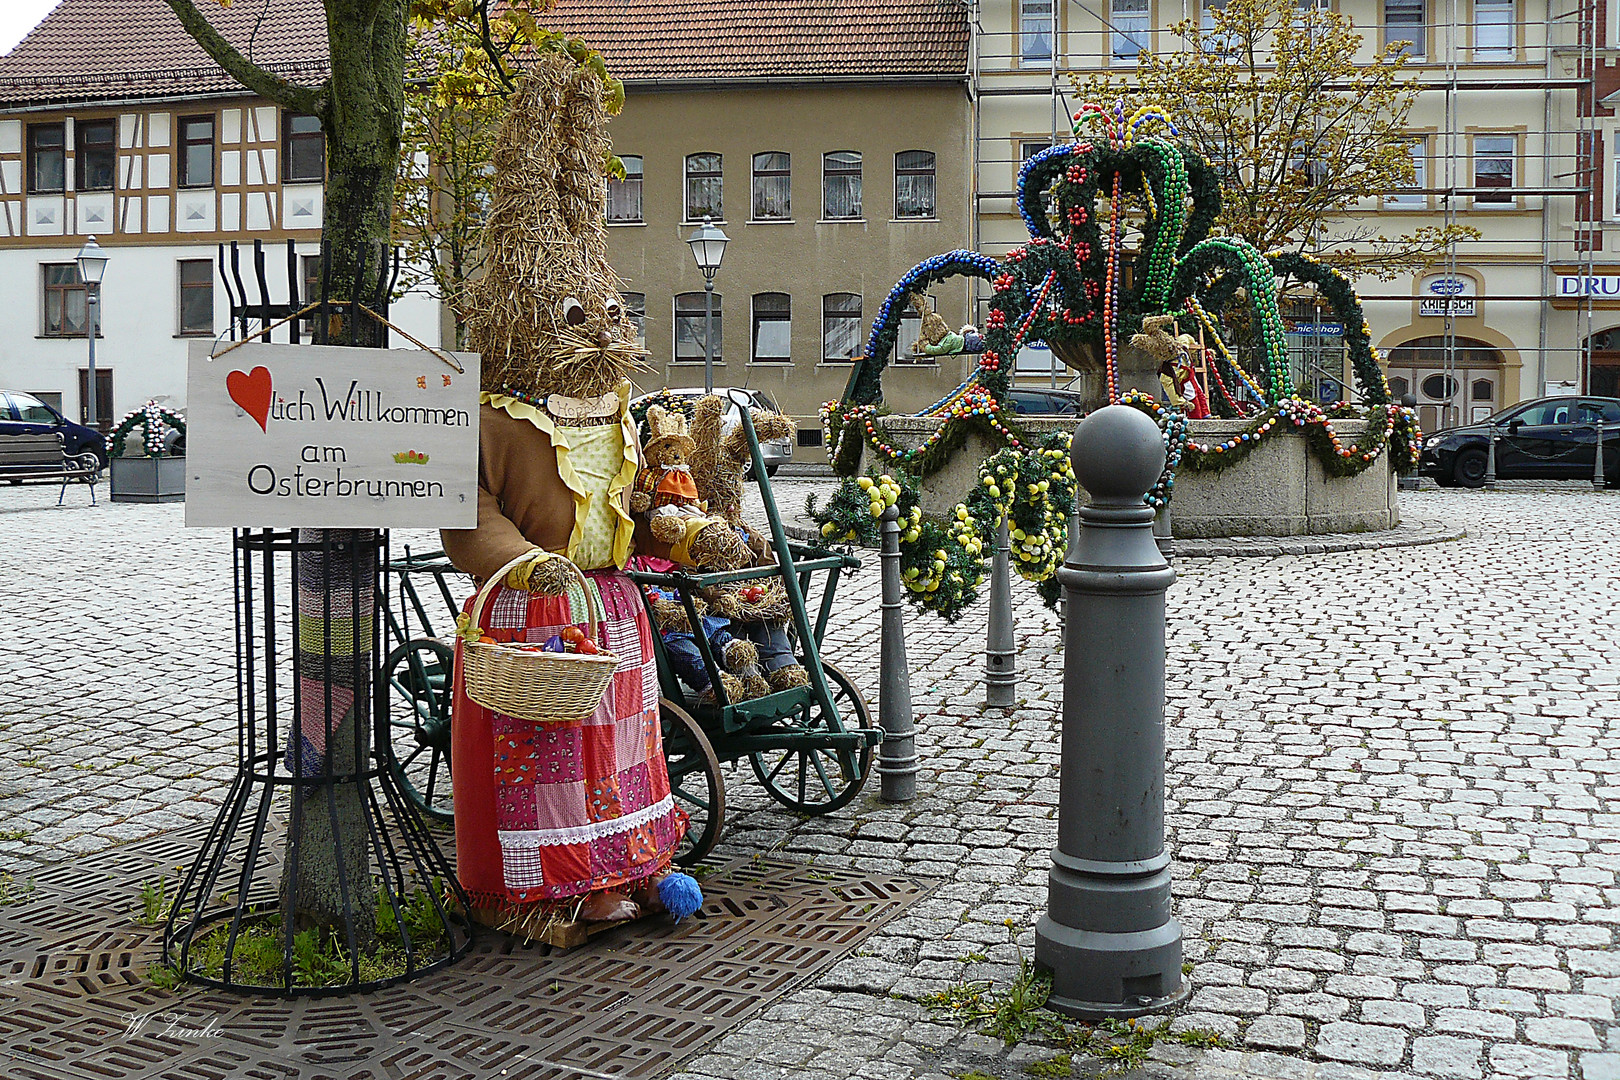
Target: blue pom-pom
(680, 895)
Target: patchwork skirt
(546, 812)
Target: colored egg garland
(154, 420)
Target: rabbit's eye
(613, 311)
(573, 312)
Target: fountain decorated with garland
(1078, 287)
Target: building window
(1440, 387)
(1494, 32)
(197, 151)
(1130, 23)
(773, 328)
(197, 296)
(635, 309)
(96, 154)
(1305, 168)
(773, 186)
(908, 334)
(47, 159)
(914, 184)
(840, 327)
(1399, 388)
(1406, 27)
(841, 185)
(1493, 168)
(689, 328)
(1419, 149)
(312, 291)
(1035, 29)
(703, 187)
(624, 196)
(64, 300)
(1483, 389)
(303, 155)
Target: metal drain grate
(75, 1003)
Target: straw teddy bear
(667, 494)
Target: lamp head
(92, 260)
(708, 246)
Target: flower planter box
(149, 479)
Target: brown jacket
(522, 501)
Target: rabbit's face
(593, 344)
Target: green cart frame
(811, 746)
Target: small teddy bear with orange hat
(665, 492)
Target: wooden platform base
(553, 925)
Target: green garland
(152, 418)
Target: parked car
(25, 414)
(1030, 402)
(775, 452)
(1550, 438)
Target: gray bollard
(897, 753)
(1108, 937)
(1000, 654)
(1598, 482)
(1490, 457)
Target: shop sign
(1579, 286)
(322, 437)
(1443, 295)
(1319, 329)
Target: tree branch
(266, 84)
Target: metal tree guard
(307, 648)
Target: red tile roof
(100, 50)
(775, 39)
(97, 50)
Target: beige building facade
(828, 195)
(1510, 135)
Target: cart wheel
(694, 780)
(816, 781)
(414, 742)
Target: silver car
(775, 452)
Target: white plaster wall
(139, 322)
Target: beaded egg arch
(1123, 184)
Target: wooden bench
(44, 457)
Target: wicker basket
(543, 687)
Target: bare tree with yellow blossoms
(1307, 139)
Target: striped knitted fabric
(336, 609)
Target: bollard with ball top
(1108, 937)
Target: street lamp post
(708, 246)
(92, 260)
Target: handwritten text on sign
(302, 435)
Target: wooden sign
(325, 437)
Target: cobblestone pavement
(1393, 779)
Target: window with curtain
(841, 185)
(914, 184)
(64, 300)
(96, 154)
(635, 309)
(1406, 26)
(303, 158)
(197, 297)
(1419, 149)
(1493, 168)
(689, 328)
(773, 328)
(1494, 32)
(624, 196)
(906, 337)
(773, 186)
(840, 327)
(1035, 29)
(47, 159)
(197, 151)
(703, 187)
(1130, 28)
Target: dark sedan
(25, 414)
(1552, 438)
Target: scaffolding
(1024, 68)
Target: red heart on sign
(251, 390)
